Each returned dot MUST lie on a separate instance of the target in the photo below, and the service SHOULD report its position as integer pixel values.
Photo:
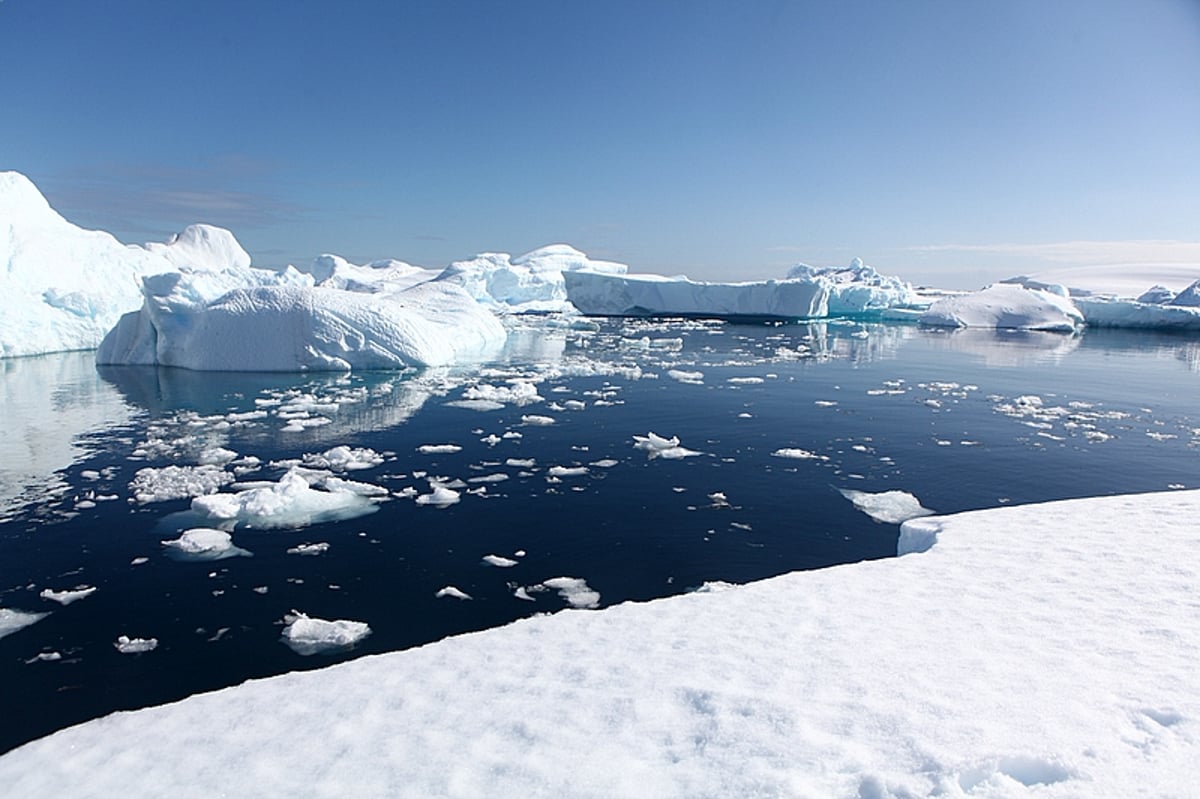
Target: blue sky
(948, 142)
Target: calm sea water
(962, 420)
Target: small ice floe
(520, 463)
(604, 463)
(440, 495)
(309, 636)
(439, 449)
(825, 403)
(319, 548)
(745, 381)
(498, 477)
(567, 471)
(203, 543)
(693, 378)
(889, 507)
(216, 456)
(291, 502)
(512, 434)
(134, 646)
(67, 597)
(491, 439)
(575, 591)
(343, 459)
(13, 620)
(138, 561)
(499, 561)
(719, 500)
(657, 446)
(44, 657)
(798, 454)
(453, 592)
(535, 419)
(518, 392)
(177, 482)
(476, 404)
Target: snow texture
(1046, 650)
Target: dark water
(890, 408)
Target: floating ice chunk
(177, 482)
(309, 549)
(575, 591)
(438, 449)
(658, 447)
(440, 496)
(344, 459)
(604, 463)
(518, 392)
(798, 454)
(67, 597)
(1004, 305)
(289, 503)
(13, 620)
(134, 646)
(889, 507)
(498, 477)
(452, 591)
(567, 471)
(45, 657)
(203, 543)
(500, 561)
(535, 419)
(309, 636)
(656, 295)
(694, 378)
(216, 456)
(477, 405)
(521, 463)
(745, 381)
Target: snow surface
(1043, 651)
(808, 292)
(1008, 306)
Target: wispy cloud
(1099, 253)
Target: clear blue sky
(951, 142)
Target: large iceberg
(255, 320)
(1013, 652)
(61, 287)
(533, 282)
(333, 271)
(807, 293)
(1008, 306)
(1130, 300)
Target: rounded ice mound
(203, 543)
(203, 247)
(1005, 306)
(309, 636)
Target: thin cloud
(1136, 251)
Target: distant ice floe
(656, 446)
(318, 548)
(69, 596)
(796, 453)
(290, 502)
(889, 507)
(203, 543)
(135, 646)
(499, 561)
(440, 495)
(309, 636)
(13, 620)
(452, 592)
(344, 459)
(177, 482)
(575, 591)
(808, 292)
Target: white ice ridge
(807, 292)
(530, 282)
(1044, 650)
(333, 271)
(280, 324)
(1009, 306)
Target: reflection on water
(1003, 348)
(49, 404)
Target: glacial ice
(290, 502)
(203, 543)
(1008, 306)
(309, 636)
(889, 507)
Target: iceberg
(272, 322)
(533, 282)
(1109, 296)
(807, 293)
(290, 502)
(1017, 651)
(387, 275)
(1007, 306)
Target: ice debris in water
(499, 560)
(452, 591)
(309, 636)
(309, 549)
(13, 620)
(133, 646)
(344, 459)
(440, 496)
(657, 446)
(575, 591)
(67, 597)
(799, 454)
(439, 449)
(889, 507)
(203, 543)
(177, 482)
(289, 503)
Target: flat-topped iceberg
(807, 293)
(275, 322)
(530, 282)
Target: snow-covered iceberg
(530, 282)
(253, 320)
(63, 287)
(1129, 299)
(333, 271)
(807, 293)
(1007, 306)
(1013, 652)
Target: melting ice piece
(133, 646)
(67, 597)
(203, 543)
(575, 590)
(890, 507)
(536, 419)
(439, 497)
(344, 459)
(177, 482)
(499, 560)
(439, 449)
(452, 591)
(567, 471)
(658, 447)
(309, 636)
(289, 503)
(799, 454)
(13, 620)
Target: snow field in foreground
(1042, 650)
